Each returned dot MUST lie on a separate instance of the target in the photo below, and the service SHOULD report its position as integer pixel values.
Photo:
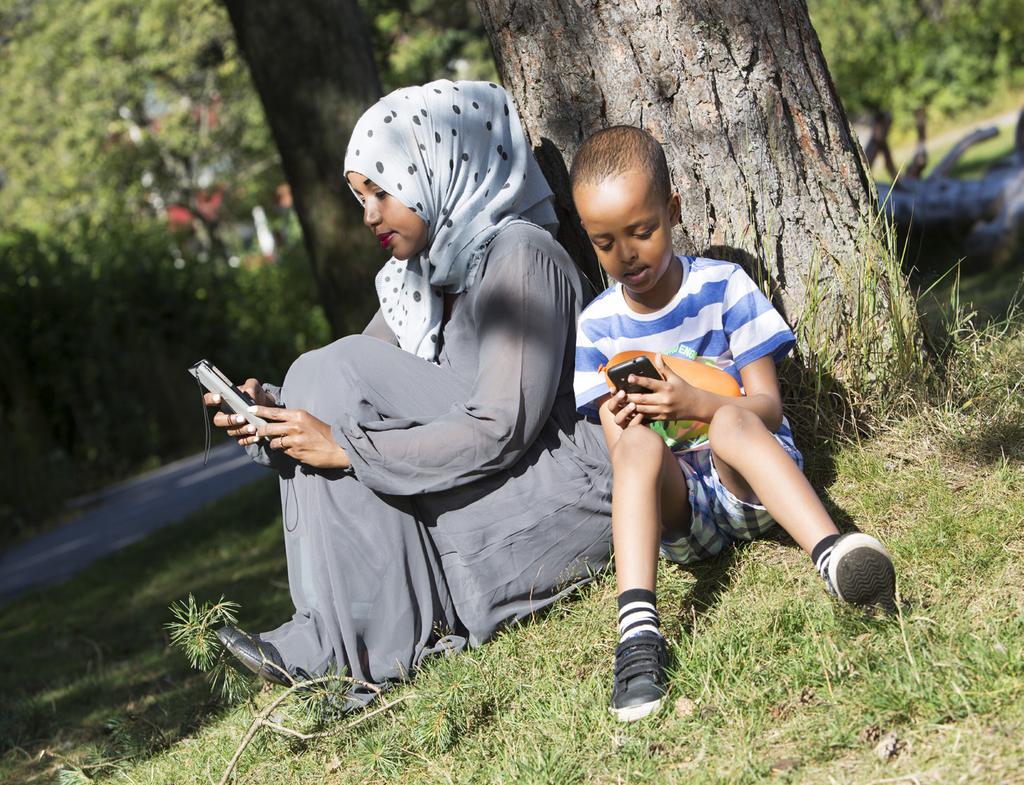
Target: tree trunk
(313, 68)
(757, 141)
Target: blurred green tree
(146, 110)
(418, 40)
(947, 55)
(116, 108)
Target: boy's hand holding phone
(669, 398)
(625, 413)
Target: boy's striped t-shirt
(718, 316)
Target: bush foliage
(96, 338)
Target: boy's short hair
(616, 150)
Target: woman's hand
(235, 423)
(670, 399)
(300, 435)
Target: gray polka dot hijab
(455, 153)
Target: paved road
(901, 155)
(123, 514)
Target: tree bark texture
(739, 94)
(313, 68)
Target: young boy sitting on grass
(744, 474)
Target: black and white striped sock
(637, 613)
(821, 553)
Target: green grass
(903, 134)
(976, 161)
(973, 163)
(987, 294)
(87, 672)
(774, 669)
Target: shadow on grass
(995, 442)
(713, 579)
(714, 576)
(87, 667)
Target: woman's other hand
(236, 425)
(299, 435)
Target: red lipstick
(385, 239)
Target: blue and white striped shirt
(718, 316)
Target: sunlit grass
(903, 134)
(979, 158)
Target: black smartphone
(638, 366)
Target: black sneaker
(860, 572)
(639, 676)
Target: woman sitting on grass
(435, 481)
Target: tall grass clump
(861, 360)
(979, 380)
(862, 370)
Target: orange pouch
(706, 377)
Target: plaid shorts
(718, 517)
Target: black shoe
(639, 676)
(860, 572)
(256, 655)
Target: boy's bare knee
(638, 449)
(731, 425)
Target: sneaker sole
(631, 713)
(862, 572)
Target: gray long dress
(477, 498)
